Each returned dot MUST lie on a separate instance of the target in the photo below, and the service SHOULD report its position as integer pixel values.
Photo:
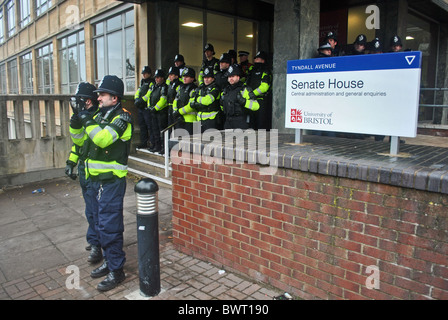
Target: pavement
(42, 249)
(42, 252)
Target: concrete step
(145, 164)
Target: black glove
(139, 103)
(252, 95)
(77, 104)
(240, 99)
(152, 109)
(195, 105)
(177, 115)
(75, 123)
(86, 118)
(69, 169)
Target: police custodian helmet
(112, 85)
(189, 72)
(86, 90)
(234, 70)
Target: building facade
(49, 46)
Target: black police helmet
(208, 72)
(189, 72)
(331, 35)
(396, 41)
(361, 39)
(234, 70)
(179, 57)
(225, 57)
(376, 45)
(210, 47)
(261, 54)
(174, 70)
(146, 69)
(111, 84)
(159, 73)
(86, 90)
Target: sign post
(374, 94)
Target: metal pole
(299, 136)
(394, 145)
(167, 152)
(148, 237)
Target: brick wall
(313, 235)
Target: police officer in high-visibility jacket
(259, 80)
(144, 116)
(85, 99)
(157, 102)
(181, 105)
(236, 101)
(205, 101)
(109, 135)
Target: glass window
(11, 18)
(13, 78)
(223, 32)
(26, 73)
(42, 6)
(72, 61)
(114, 49)
(247, 37)
(220, 33)
(25, 13)
(2, 30)
(44, 60)
(3, 88)
(191, 36)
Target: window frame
(100, 38)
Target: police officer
(108, 134)
(173, 85)
(375, 47)
(396, 45)
(359, 46)
(236, 102)
(179, 62)
(209, 61)
(140, 102)
(244, 64)
(259, 80)
(233, 58)
(205, 101)
(221, 76)
(333, 41)
(181, 105)
(157, 102)
(85, 99)
(325, 50)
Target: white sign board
(369, 94)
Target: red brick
(321, 198)
(346, 284)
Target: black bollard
(148, 237)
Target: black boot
(96, 255)
(101, 271)
(112, 280)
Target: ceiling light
(249, 36)
(192, 24)
(409, 38)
